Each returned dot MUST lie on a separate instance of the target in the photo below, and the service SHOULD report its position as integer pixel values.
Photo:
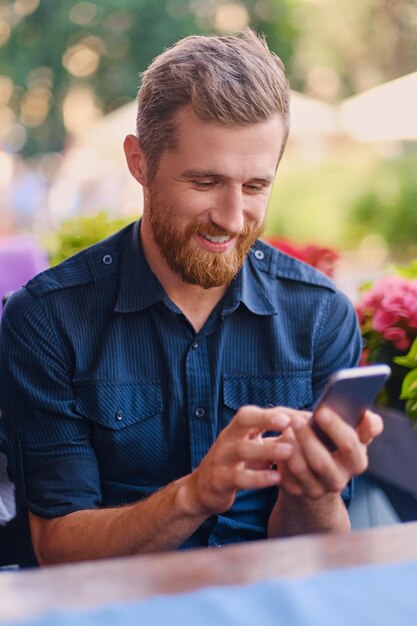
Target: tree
(347, 46)
(52, 48)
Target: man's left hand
(312, 470)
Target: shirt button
(269, 406)
(118, 416)
(259, 255)
(200, 412)
(107, 259)
(195, 345)
(218, 544)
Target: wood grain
(91, 584)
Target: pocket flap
(291, 389)
(118, 404)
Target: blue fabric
(113, 394)
(362, 596)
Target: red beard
(193, 264)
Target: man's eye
(203, 184)
(254, 188)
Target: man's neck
(195, 302)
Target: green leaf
(411, 408)
(408, 271)
(409, 386)
(365, 285)
(410, 359)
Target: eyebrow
(196, 173)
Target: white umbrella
(385, 113)
(312, 117)
(307, 116)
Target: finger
(298, 464)
(351, 452)
(331, 474)
(262, 450)
(254, 419)
(255, 479)
(309, 483)
(289, 483)
(370, 426)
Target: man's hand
(240, 458)
(314, 471)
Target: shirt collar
(140, 288)
(252, 284)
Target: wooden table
(33, 592)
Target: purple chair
(21, 258)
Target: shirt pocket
(290, 389)
(126, 426)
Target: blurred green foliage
(79, 233)
(125, 34)
(343, 200)
(409, 384)
(331, 49)
(408, 271)
(132, 32)
(388, 206)
(348, 46)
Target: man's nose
(229, 213)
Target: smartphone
(349, 393)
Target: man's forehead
(260, 139)
(186, 116)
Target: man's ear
(135, 159)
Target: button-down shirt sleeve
(60, 465)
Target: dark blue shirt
(113, 394)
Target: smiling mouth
(216, 238)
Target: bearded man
(160, 383)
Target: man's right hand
(240, 458)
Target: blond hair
(232, 80)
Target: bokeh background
(69, 73)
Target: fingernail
(283, 449)
(324, 416)
(273, 476)
(281, 420)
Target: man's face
(207, 203)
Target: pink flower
(383, 319)
(388, 313)
(391, 304)
(398, 337)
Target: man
(160, 382)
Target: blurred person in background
(161, 382)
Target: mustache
(208, 228)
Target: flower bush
(387, 314)
(80, 232)
(323, 259)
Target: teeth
(218, 238)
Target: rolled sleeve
(63, 486)
(37, 400)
